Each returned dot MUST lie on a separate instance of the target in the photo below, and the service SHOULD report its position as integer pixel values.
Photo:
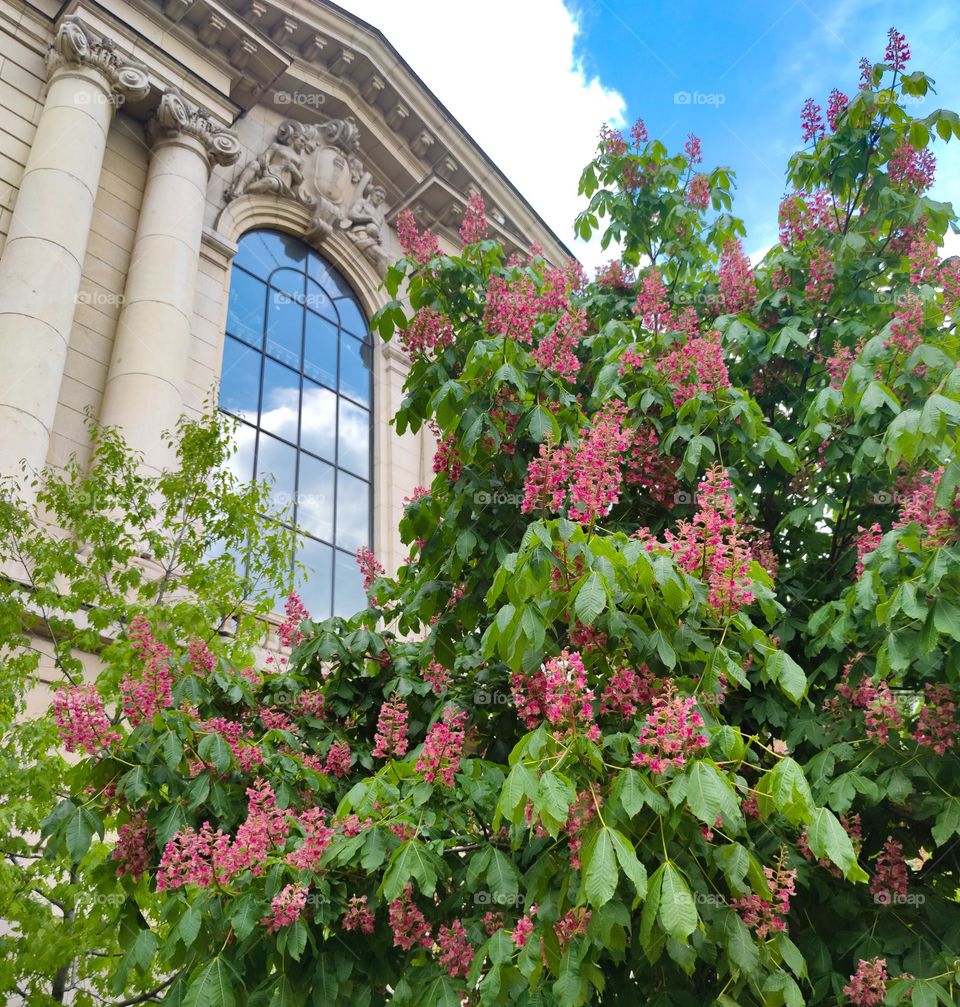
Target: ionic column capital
(76, 47)
(176, 119)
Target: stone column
(43, 257)
(144, 394)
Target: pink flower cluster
(820, 278)
(390, 740)
(712, 547)
(294, 614)
(838, 364)
(317, 836)
(81, 721)
(652, 306)
(420, 247)
(889, 882)
(628, 691)
(897, 54)
(370, 567)
(615, 277)
(802, 214)
(339, 759)
(134, 848)
(876, 699)
(409, 925)
(924, 262)
(671, 733)
(918, 505)
(836, 106)
(512, 308)
(907, 326)
(474, 226)
(580, 815)
(937, 725)
(555, 352)
(692, 149)
(358, 916)
(649, 470)
(145, 696)
(868, 985)
(443, 747)
(311, 703)
(446, 458)
(545, 486)
(811, 121)
(524, 927)
(200, 660)
(912, 169)
(698, 192)
(695, 367)
(430, 331)
(738, 289)
(235, 734)
(436, 675)
(456, 951)
(286, 908)
(573, 923)
(765, 917)
(852, 827)
(595, 478)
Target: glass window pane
(279, 461)
(354, 439)
(355, 368)
(319, 300)
(350, 596)
(316, 586)
(240, 463)
(248, 302)
(284, 327)
(353, 512)
(290, 281)
(327, 276)
(320, 351)
(318, 420)
(240, 380)
(281, 400)
(262, 251)
(315, 497)
(351, 318)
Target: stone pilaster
(42, 260)
(145, 385)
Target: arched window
(297, 374)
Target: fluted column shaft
(42, 259)
(146, 382)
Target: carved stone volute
(76, 46)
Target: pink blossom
(765, 917)
(648, 469)
(652, 306)
(474, 226)
(918, 505)
(580, 815)
(187, 859)
(612, 141)
(512, 308)
(442, 748)
(524, 928)
(671, 733)
(889, 882)
(235, 735)
(420, 247)
(615, 277)
(572, 924)
(436, 675)
(311, 703)
(811, 121)
(555, 352)
(409, 926)
(897, 54)
(134, 848)
(836, 106)
(937, 726)
(557, 694)
(839, 363)
(294, 614)
(358, 916)
(639, 134)
(81, 721)
(456, 951)
(428, 333)
(286, 908)
(907, 325)
(628, 691)
(264, 830)
(868, 539)
(692, 149)
(317, 836)
(912, 169)
(820, 282)
(698, 192)
(152, 692)
(596, 478)
(712, 548)
(370, 567)
(446, 458)
(801, 214)
(738, 290)
(199, 658)
(391, 737)
(338, 759)
(695, 367)
(950, 280)
(545, 486)
(924, 262)
(868, 985)
(492, 922)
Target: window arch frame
(314, 270)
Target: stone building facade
(198, 200)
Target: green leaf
(81, 825)
(678, 912)
(411, 860)
(710, 796)
(739, 943)
(283, 995)
(591, 599)
(829, 841)
(211, 986)
(627, 858)
(600, 869)
(782, 668)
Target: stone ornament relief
(176, 117)
(319, 166)
(77, 46)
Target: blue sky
(747, 67)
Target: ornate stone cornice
(176, 117)
(76, 46)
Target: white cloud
(508, 72)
